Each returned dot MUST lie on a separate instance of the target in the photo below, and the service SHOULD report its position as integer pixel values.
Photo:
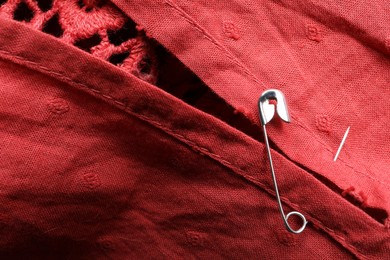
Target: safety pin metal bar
(267, 112)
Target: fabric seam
(210, 38)
(190, 143)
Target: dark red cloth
(96, 163)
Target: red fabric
(95, 26)
(96, 163)
(318, 54)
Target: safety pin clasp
(267, 112)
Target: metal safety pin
(267, 112)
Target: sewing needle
(342, 143)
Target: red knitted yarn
(96, 26)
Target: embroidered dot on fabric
(286, 238)
(195, 239)
(91, 181)
(231, 30)
(95, 26)
(323, 123)
(106, 244)
(57, 106)
(314, 33)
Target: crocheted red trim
(95, 26)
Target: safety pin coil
(267, 112)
